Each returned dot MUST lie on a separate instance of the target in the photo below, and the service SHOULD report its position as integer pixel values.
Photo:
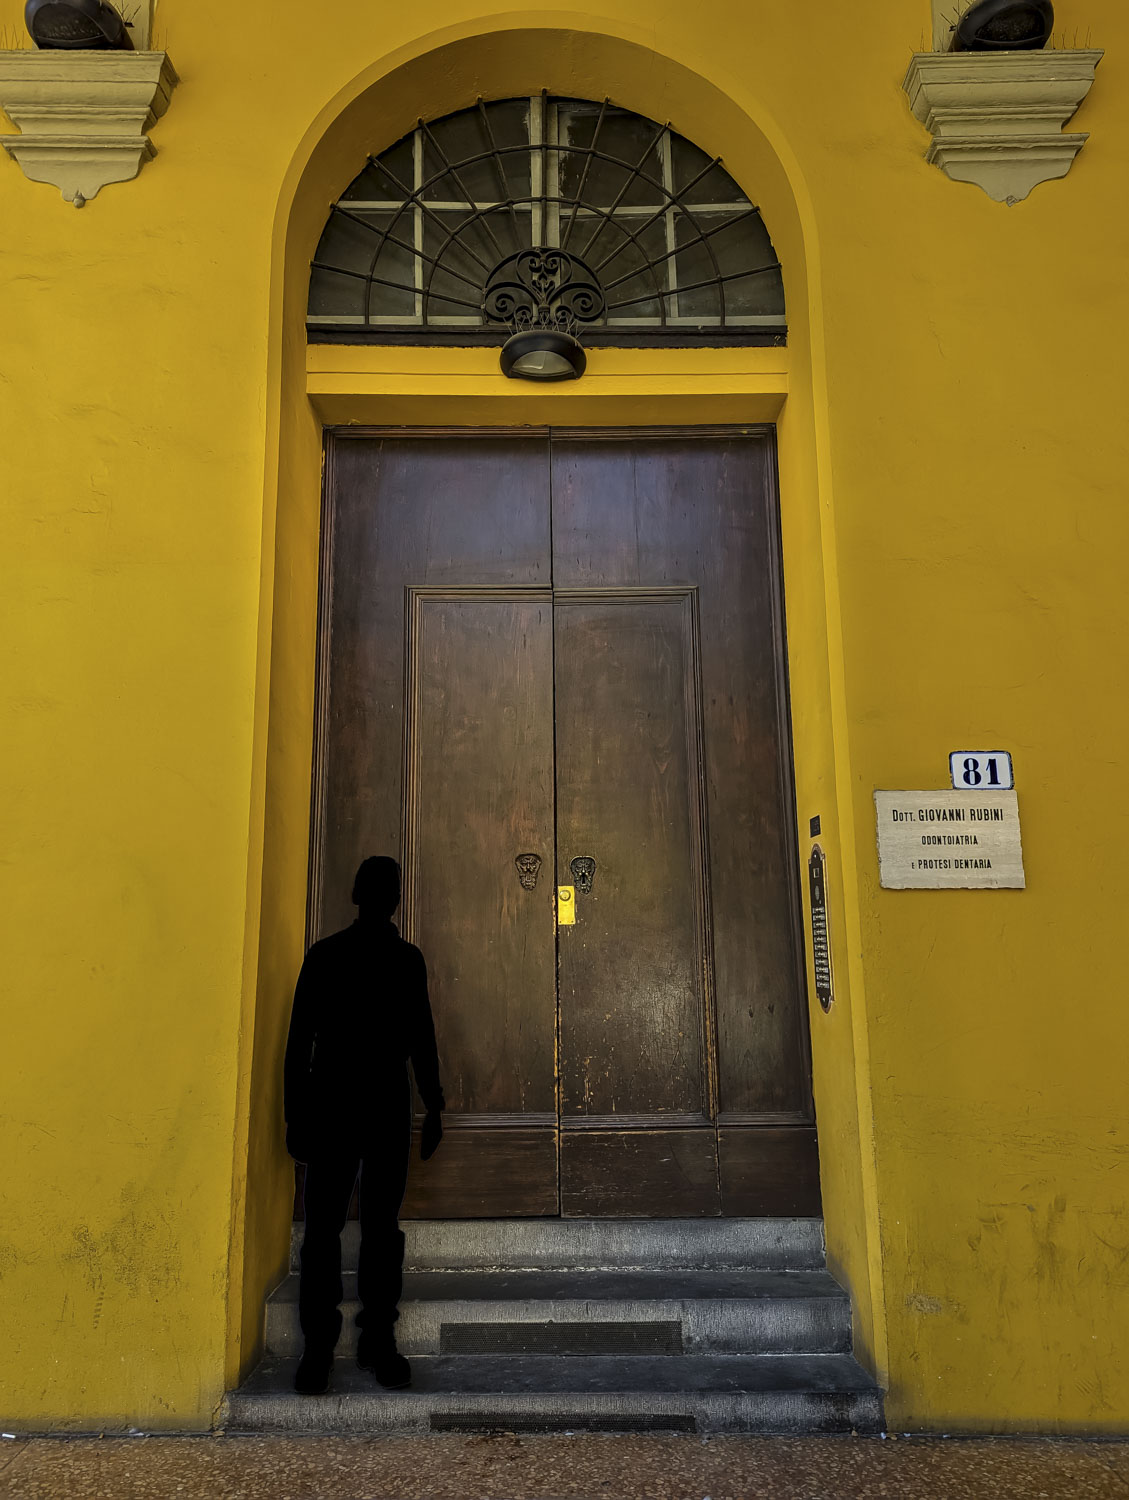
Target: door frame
(334, 434)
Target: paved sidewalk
(550, 1468)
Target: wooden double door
(552, 660)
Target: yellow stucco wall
(952, 475)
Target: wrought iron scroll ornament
(583, 869)
(528, 866)
(542, 288)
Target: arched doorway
(456, 388)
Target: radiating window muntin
(675, 244)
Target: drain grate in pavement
(560, 1338)
(579, 1421)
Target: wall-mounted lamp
(542, 294)
(76, 25)
(1005, 26)
(543, 354)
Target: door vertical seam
(556, 805)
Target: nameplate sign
(948, 840)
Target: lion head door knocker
(528, 866)
(583, 869)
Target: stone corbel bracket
(996, 118)
(83, 115)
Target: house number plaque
(820, 946)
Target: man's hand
(430, 1135)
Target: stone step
(570, 1312)
(758, 1393)
(600, 1244)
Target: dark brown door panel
(638, 1174)
(768, 1171)
(486, 1172)
(634, 1006)
(479, 795)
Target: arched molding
(503, 55)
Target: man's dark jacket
(361, 1012)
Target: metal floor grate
(561, 1338)
(580, 1421)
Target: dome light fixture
(543, 354)
(1005, 26)
(76, 25)
(543, 294)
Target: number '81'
(974, 776)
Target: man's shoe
(384, 1362)
(312, 1375)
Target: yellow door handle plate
(566, 906)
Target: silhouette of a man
(360, 1013)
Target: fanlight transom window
(667, 237)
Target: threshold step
(599, 1244)
(761, 1312)
(701, 1393)
(602, 1286)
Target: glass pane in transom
(478, 156)
(335, 296)
(635, 270)
(395, 268)
(626, 158)
(696, 180)
(744, 257)
(349, 241)
(390, 177)
(459, 256)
